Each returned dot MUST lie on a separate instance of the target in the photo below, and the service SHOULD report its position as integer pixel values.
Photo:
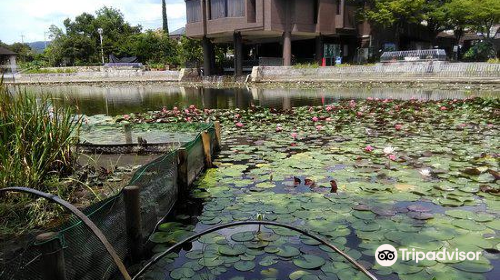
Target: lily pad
(309, 262)
(244, 266)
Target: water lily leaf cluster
(436, 187)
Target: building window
(227, 8)
(252, 11)
(193, 11)
(339, 7)
(236, 8)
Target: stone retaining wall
(98, 76)
(398, 72)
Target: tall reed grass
(36, 138)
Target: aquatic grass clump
(35, 139)
(35, 152)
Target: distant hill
(39, 46)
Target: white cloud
(32, 18)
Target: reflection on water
(124, 99)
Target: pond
(125, 99)
(415, 174)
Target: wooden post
(182, 170)
(133, 221)
(52, 256)
(205, 137)
(218, 135)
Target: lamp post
(100, 31)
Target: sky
(32, 18)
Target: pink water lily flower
(192, 107)
(176, 109)
(279, 128)
(294, 135)
(239, 124)
(443, 108)
(329, 108)
(319, 127)
(315, 119)
(359, 114)
(186, 111)
(369, 148)
(398, 126)
(392, 157)
(328, 119)
(127, 117)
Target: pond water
(413, 174)
(126, 99)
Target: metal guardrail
(414, 56)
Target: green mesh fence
(85, 257)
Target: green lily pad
(235, 250)
(244, 266)
(182, 272)
(309, 262)
(243, 236)
(288, 252)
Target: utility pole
(45, 38)
(22, 38)
(100, 31)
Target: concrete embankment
(97, 77)
(428, 72)
(417, 72)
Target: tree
(79, 43)
(190, 51)
(394, 13)
(152, 47)
(458, 14)
(164, 14)
(434, 15)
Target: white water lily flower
(389, 150)
(425, 172)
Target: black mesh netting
(85, 257)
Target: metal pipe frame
(234, 224)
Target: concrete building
(7, 61)
(277, 32)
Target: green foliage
(79, 43)
(35, 139)
(481, 51)
(35, 151)
(388, 13)
(190, 50)
(151, 48)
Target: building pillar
(319, 49)
(238, 54)
(207, 56)
(287, 48)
